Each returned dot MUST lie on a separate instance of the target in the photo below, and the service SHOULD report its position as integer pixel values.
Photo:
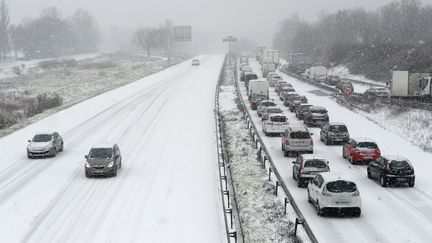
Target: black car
(334, 133)
(391, 170)
(248, 77)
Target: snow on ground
(167, 189)
(388, 214)
(261, 213)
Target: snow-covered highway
(167, 188)
(388, 214)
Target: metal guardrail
(365, 83)
(232, 226)
(264, 155)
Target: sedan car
(360, 149)
(334, 133)
(270, 110)
(376, 92)
(195, 62)
(306, 167)
(264, 104)
(275, 124)
(45, 145)
(332, 192)
(104, 159)
(391, 170)
(316, 116)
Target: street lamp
(229, 39)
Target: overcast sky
(254, 19)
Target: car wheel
(266, 134)
(87, 174)
(53, 152)
(319, 210)
(343, 153)
(286, 153)
(120, 165)
(369, 175)
(309, 197)
(357, 213)
(114, 174)
(61, 147)
(383, 181)
(326, 141)
(411, 183)
(350, 159)
(299, 182)
(293, 174)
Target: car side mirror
(311, 133)
(293, 162)
(86, 156)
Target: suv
(305, 167)
(316, 115)
(264, 104)
(334, 132)
(195, 62)
(45, 145)
(391, 170)
(331, 192)
(103, 160)
(275, 124)
(301, 109)
(360, 149)
(298, 140)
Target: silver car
(45, 145)
(103, 160)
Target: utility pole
(229, 39)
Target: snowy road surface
(388, 214)
(167, 189)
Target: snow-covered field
(388, 214)
(167, 189)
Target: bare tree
(4, 29)
(147, 38)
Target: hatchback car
(301, 109)
(275, 124)
(195, 62)
(104, 159)
(270, 110)
(297, 140)
(391, 170)
(45, 145)
(278, 83)
(334, 133)
(360, 149)
(332, 192)
(315, 115)
(306, 167)
(284, 88)
(264, 104)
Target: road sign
(182, 33)
(229, 39)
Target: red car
(360, 149)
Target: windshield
(341, 186)
(42, 138)
(320, 111)
(400, 164)
(274, 110)
(278, 119)
(101, 153)
(300, 135)
(338, 128)
(367, 145)
(317, 163)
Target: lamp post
(229, 39)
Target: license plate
(400, 179)
(342, 203)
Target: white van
(317, 73)
(258, 87)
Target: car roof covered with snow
(312, 156)
(103, 145)
(395, 157)
(363, 139)
(335, 176)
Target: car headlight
(111, 164)
(87, 164)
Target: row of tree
(395, 31)
(49, 35)
(154, 39)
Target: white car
(45, 145)
(332, 192)
(275, 124)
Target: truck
(318, 73)
(411, 85)
(267, 67)
(258, 88)
(298, 63)
(272, 55)
(259, 52)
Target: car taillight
(269, 123)
(356, 194)
(311, 141)
(302, 170)
(377, 151)
(355, 151)
(253, 101)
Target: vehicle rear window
(300, 135)
(278, 119)
(274, 110)
(317, 163)
(338, 128)
(266, 104)
(367, 145)
(341, 186)
(399, 164)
